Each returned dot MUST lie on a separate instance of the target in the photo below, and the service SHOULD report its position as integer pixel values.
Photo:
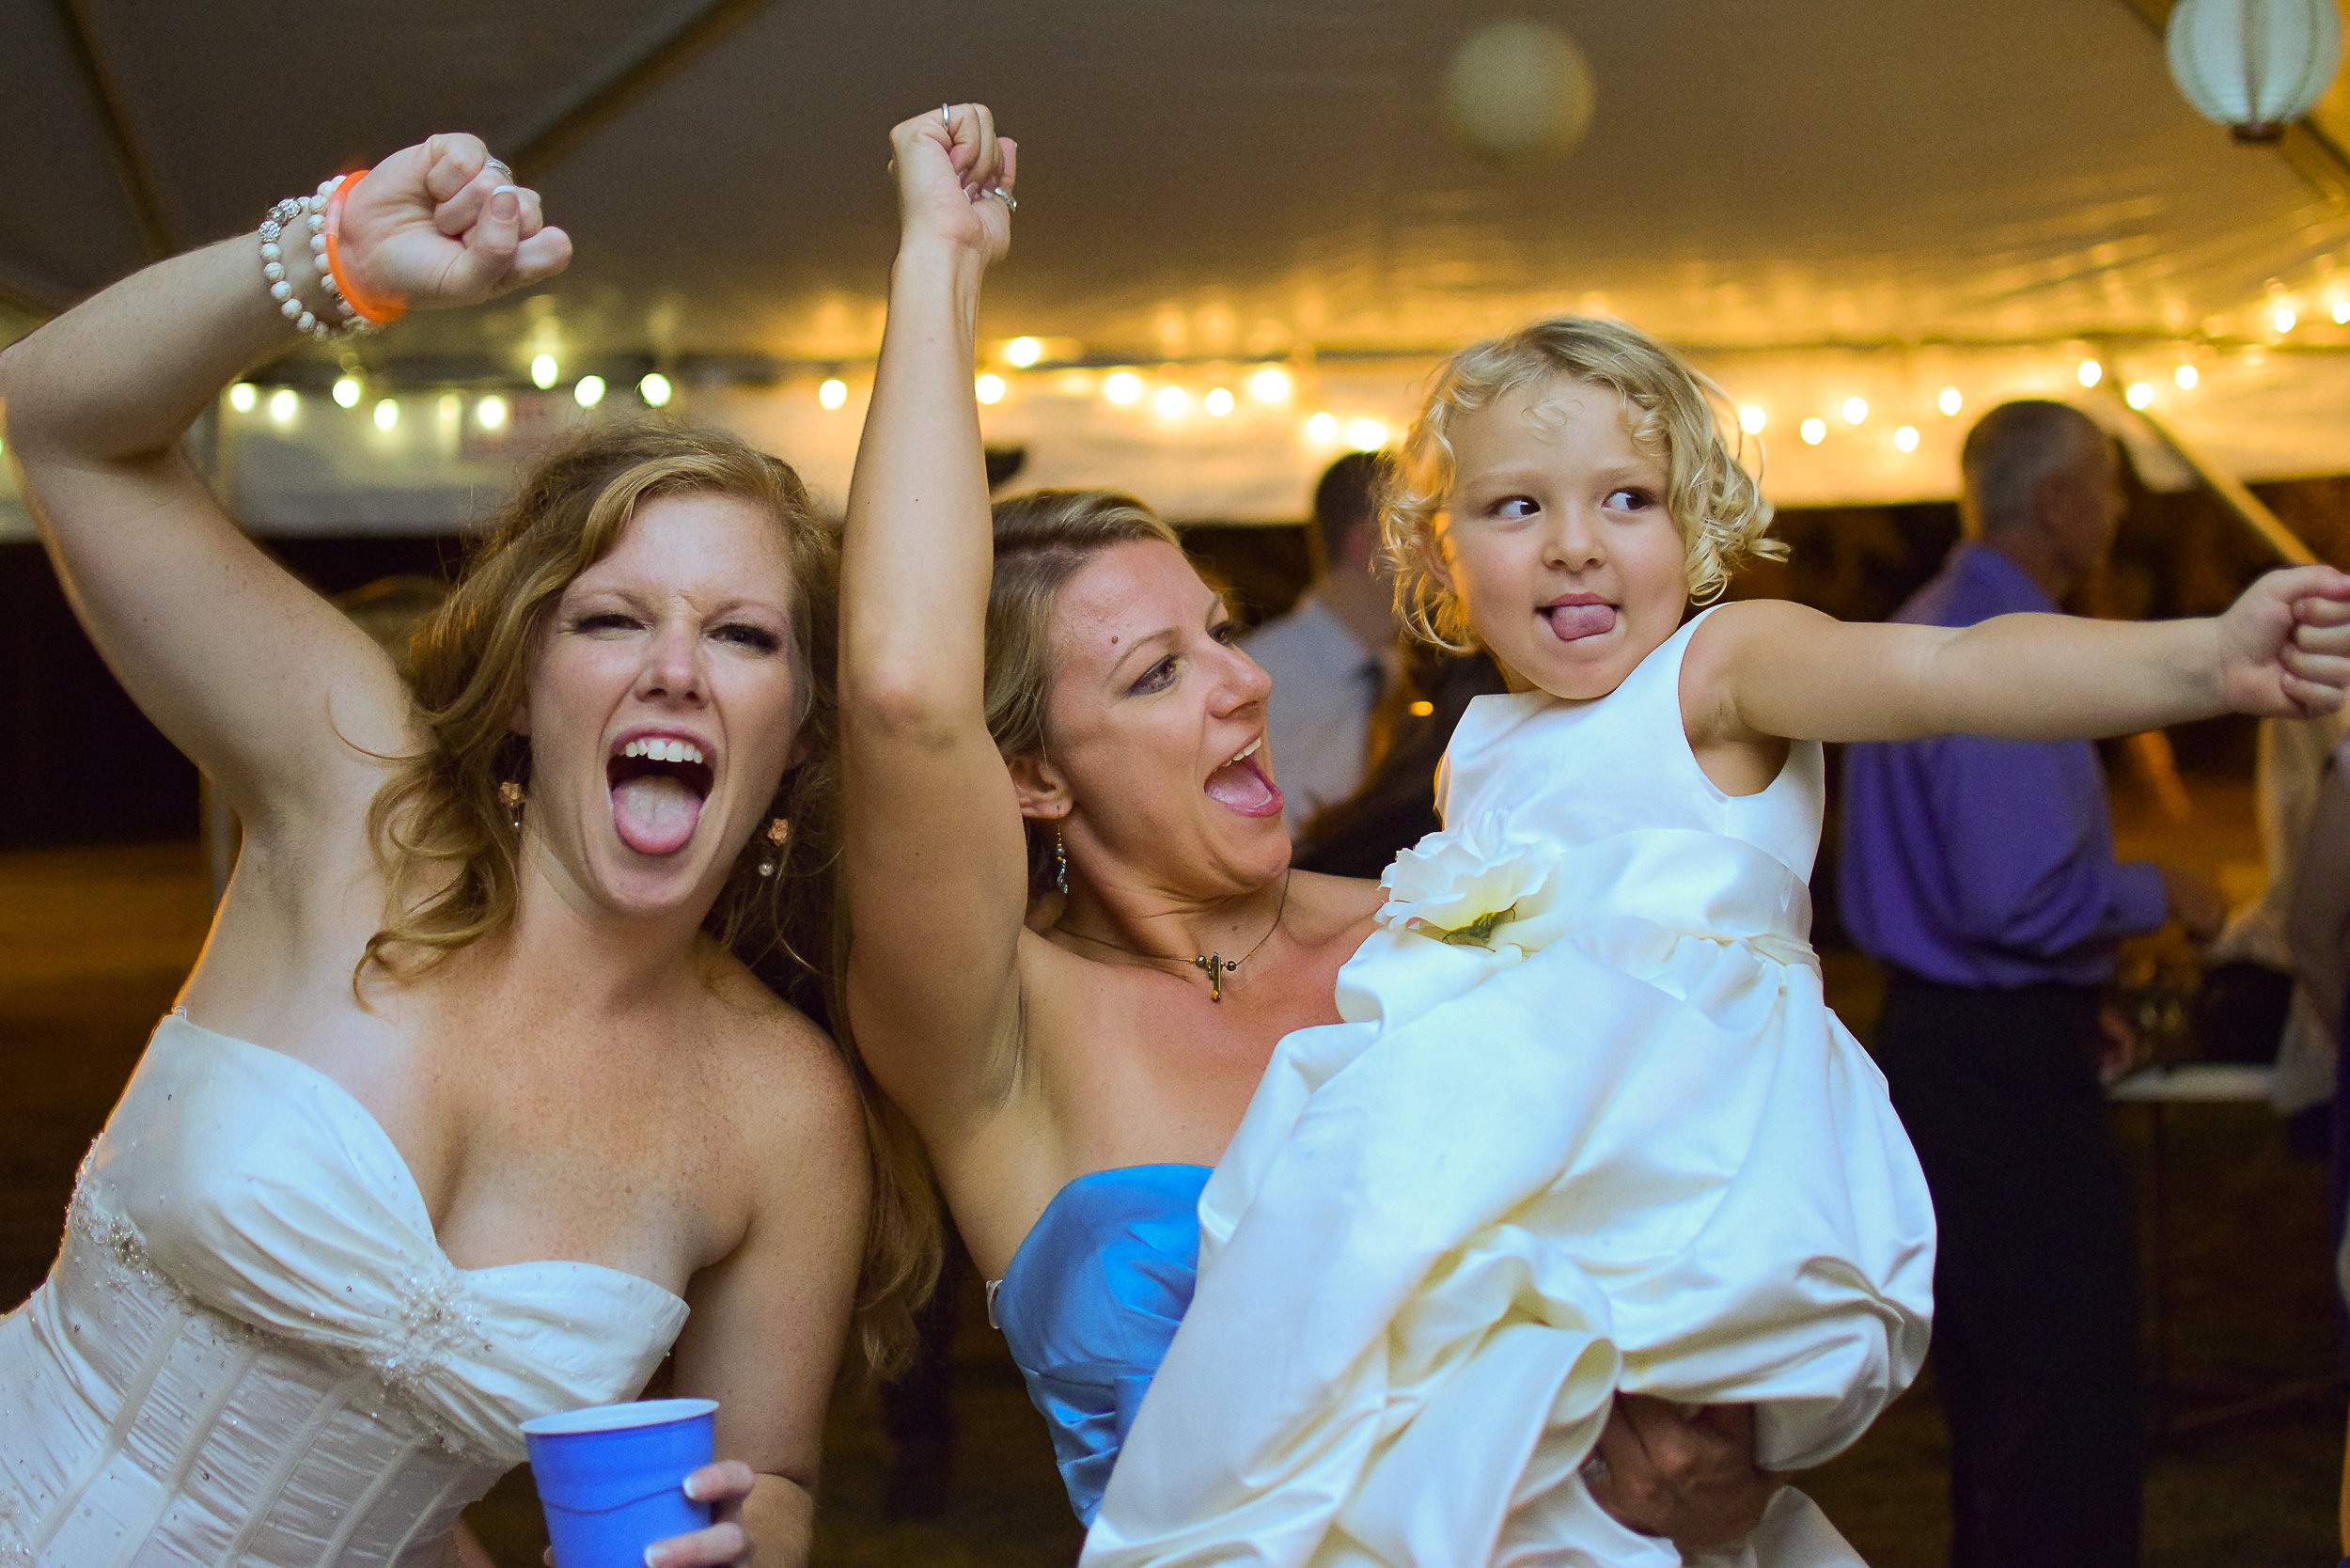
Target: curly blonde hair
(449, 852)
(1673, 412)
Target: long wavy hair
(449, 853)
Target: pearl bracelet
(306, 215)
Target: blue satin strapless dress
(1090, 1303)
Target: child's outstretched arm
(1762, 670)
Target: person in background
(1335, 653)
(1981, 873)
(2317, 930)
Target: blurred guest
(1983, 873)
(1334, 654)
(2293, 760)
(2317, 926)
(1395, 806)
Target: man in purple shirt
(1982, 873)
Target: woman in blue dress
(1074, 933)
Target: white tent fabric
(1852, 197)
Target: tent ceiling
(1209, 178)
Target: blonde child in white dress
(1588, 1127)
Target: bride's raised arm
(936, 858)
(247, 671)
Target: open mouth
(1578, 616)
(1242, 784)
(658, 785)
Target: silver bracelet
(307, 215)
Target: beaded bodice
(253, 1350)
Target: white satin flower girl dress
(1588, 1126)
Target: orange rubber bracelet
(373, 310)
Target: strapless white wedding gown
(1588, 1126)
(253, 1352)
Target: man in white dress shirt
(1334, 652)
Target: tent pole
(2248, 508)
(606, 96)
(113, 123)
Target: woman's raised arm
(936, 858)
(252, 675)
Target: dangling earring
(779, 830)
(510, 796)
(1060, 863)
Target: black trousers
(2035, 1282)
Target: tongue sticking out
(1240, 787)
(655, 814)
(1570, 621)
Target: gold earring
(779, 832)
(510, 796)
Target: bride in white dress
(466, 1115)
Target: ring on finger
(505, 171)
(1011, 202)
(947, 116)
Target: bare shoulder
(786, 1079)
(1331, 908)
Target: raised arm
(1765, 669)
(256, 678)
(936, 864)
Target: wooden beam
(597, 102)
(113, 123)
(2248, 508)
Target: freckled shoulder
(786, 1078)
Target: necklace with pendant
(1216, 965)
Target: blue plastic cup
(612, 1477)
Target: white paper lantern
(1519, 93)
(2254, 66)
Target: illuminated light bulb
(1024, 351)
(2186, 376)
(2091, 372)
(282, 404)
(1906, 439)
(1269, 383)
(834, 393)
(1218, 401)
(1814, 431)
(1855, 410)
(1122, 387)
(451, 407)
(1423, 708)
(2139, 395)
(1366, 435)
(2341, 312)
(243, 395)
(2285, 319)
(1322, 427)
(1751, 420)
(1950, 401)
(655, 390)
(989, 388)
(489, 413)
(1171, 401)
(589, 392)
(347, 393)
(386, 413)
(543, 371)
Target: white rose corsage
(1460, 887)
